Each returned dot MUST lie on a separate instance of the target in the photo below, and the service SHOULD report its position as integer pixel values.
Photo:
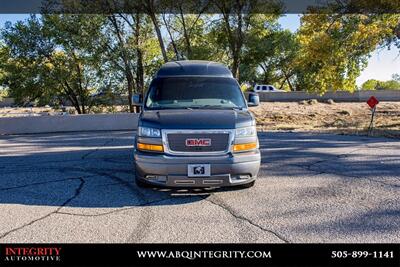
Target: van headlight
(246, 132)
(149, 132)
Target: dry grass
(345, 118)
(20, 112)
(42, 111)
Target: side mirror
(254, 100)
(137, 99)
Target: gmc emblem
(198, 142)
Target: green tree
(381, 85)
(130, 51)
(271, 57)
(25, 70)
(55, 57)
(149, 7)
(370, 85)
(390, 85)
(186, 31)
(334, 48)
(121, 54)
(4, 57)
(238, 22)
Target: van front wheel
(139, 182)
(142, 184)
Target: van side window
(264, 88)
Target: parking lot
(78, 187)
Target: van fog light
(241, 177)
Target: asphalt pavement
(78, 187)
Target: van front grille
(219, 142)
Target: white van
(265, 88)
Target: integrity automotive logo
(31, 254)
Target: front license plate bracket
(199, 170)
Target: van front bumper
(172, 171)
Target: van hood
(196, 119)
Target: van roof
(194, 68)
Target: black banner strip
(200, 6)
(365, 255)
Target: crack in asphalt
(97, 149)
(310, 166)
(78, 190)
(317, 171)
(355, 177)
(113, 177)
(145, 214)
(116, 210)
(242, 218)
(17, 168)
(34, 170)
(45, 182)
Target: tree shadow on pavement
(295, 154)
(95, 170)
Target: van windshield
(194, 92)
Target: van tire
(141, 184)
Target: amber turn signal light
(244, 147)
(150, 147)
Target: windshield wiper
(209, 106)
(220, 107)
(162, 108)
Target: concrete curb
(68, 123)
